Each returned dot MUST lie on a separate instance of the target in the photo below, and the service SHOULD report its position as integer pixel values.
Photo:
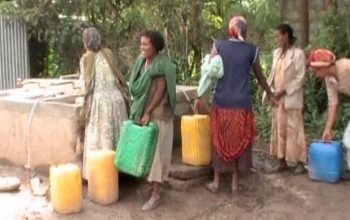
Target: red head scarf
(236, 27)
(320, 58)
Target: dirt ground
(280, 196)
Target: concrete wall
(53, 136)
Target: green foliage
(189, 28)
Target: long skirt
(162, 157)
(287, 135)
(233, 132)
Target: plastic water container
(325, 161)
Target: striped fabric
(232, 130)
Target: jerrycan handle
(322, 141)
(137, 124)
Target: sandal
(150, 204)
(299, 169)
(212, 188)
(280, 167)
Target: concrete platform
(186, 172)
(184, 176)
(187, 184)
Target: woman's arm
(331, 116)
(211, 68)
(213, 51)
(203, 83)
(333, 101)
(260, 77)
(160, 84)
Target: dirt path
(282, 196)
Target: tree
(304, 22)
(189, 27)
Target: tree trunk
(282, 9)
(304, 22)
(196, 33)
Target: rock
(186, 184)
(9, 184)
(186, 172)
(38, 187)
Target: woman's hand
(279, 94)
(197, 105)
(145, 119)
(272, 98)
(327, 135)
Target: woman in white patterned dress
(106, 102)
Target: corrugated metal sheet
(14, 56)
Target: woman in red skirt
(232, 123)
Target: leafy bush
(189, 28)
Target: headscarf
(236, 27)
(92, 39)
(320, 58)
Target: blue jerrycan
(325, 161)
